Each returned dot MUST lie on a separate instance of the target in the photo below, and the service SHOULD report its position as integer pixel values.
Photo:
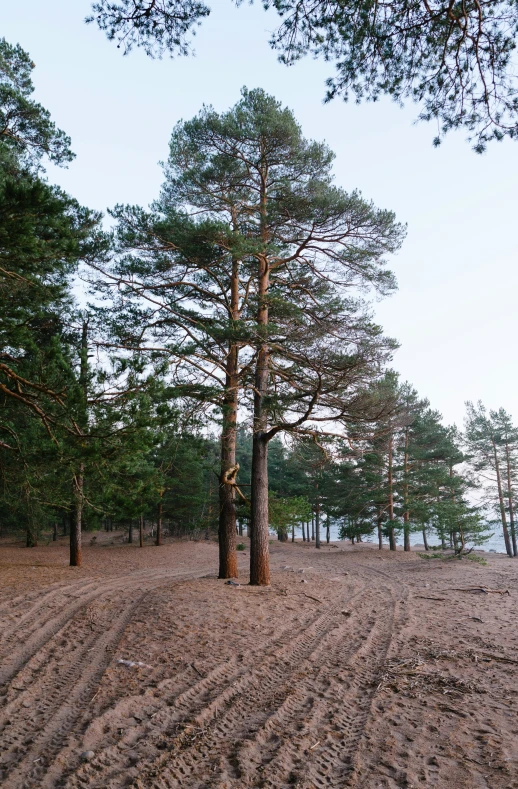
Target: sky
(455, 311)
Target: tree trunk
(425, 541)
(130, 531)
(380, 529)
(317, 522)
(392, 536)
(227, 493)
(77, 519)
(328, 531)
(312, 528)
(141, 531)
(158, 540)
(304, 526)
(293, 533)
(406, 514)
(54, 531)
(510, 495)
(259, 550)
(501, 501)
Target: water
(495, 543)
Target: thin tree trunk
(510, 495)
(76, 524)
(76, 556)
(54, 531)
(130, 531)
(392, 536)
(380, 528)
(406, 514)
(141, 531)
(293, 533)
(304, 526)
(158, 540)
(312, 528)
(425, 540)
(501, 501)
(317, 521)
(328, 531)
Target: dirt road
(354, 669)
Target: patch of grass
(474, 557)
(431, 555)
(240, 546)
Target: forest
(211, 363)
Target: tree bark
(317, 521)
(76, 556)
(501, 501)
(141, 531)
(312, 528)
(392, 536)
(328, 531)
(54, 531)
(259, 550)
(510, 496)
(425, 541)
(227, 493)
(406, 514)
(130, 531)
(380, 529)
(158, 540)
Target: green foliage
(28, 134)
(156, 25)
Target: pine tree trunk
(303, 532)
(406, 515)
(380, 529)
(313, 528)
(54, 531)
(293, 533)
(317, 522)
(130, 531)
(141, 531)
(259, 549)
(158, 540)
(511, 503)
(76, 524)
(392, 536)
(227, 492)
(328, 531)
(425, 541)
(501, 501)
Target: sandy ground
(355, 669)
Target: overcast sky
(455, 312)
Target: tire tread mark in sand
(201, 702)
(45, 631)
(68, 699)
(225, 711)
(280, 744)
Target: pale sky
(455, 311)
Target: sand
(354, 669)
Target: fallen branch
(424, 597)
(481, 589)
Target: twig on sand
(314, 746)
(196, 670)
(424, 597)
(481, 589)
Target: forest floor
(355, 669)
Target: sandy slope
(353, 679)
